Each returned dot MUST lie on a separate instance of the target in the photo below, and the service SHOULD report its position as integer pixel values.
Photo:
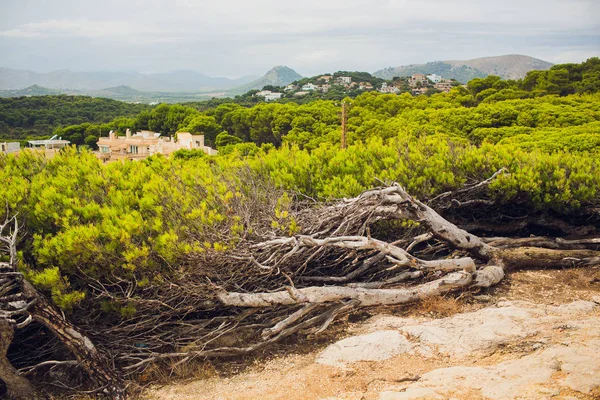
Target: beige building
(416, 79)
(146, 143)
(10, 147)
(443, 86)
(419, 91)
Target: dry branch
(271, 287)
(20, 300)
(365, 297)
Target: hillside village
(351, 84)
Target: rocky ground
(537, 336)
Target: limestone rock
(376, 346)
(526, 378)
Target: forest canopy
(38, 116)
(108, 243)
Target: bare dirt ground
(530, 300)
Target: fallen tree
(20, 305)
(269, 287)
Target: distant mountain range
(122, 93)
(168, 87)
(512, 66)
(187, 85)
(33, 90)
(176, 81)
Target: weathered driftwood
(336, 265)
(364, 297)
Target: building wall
(10, 147)
(146, 143)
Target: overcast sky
(240, 37)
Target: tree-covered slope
(35, 116)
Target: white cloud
(213, 36)
(71, 28)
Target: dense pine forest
(157, 260)
(37, 116)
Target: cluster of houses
(324, 83)
(129, 147)
(418, 84)
(147, 143)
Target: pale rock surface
(376, 346)
(461, 334)
(527, 377)
(560, 347)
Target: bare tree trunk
(17, 386)
(93, 361)
(21, 298)
(395, 203)
(364, 297)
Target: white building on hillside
(54, 143)
(309, 86)
(388, 89)
(263, 93)
(273, 96)
(49, 146)
(434, 78)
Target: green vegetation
(563, 79)
(38, 116)
(142, 253)
(139, 220)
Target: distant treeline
(37, 116)
(485, 103)
(560, 79)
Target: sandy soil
(294, 375)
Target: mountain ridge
(509, 66)
(190, 85)
(175, 81)
(280, 75)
